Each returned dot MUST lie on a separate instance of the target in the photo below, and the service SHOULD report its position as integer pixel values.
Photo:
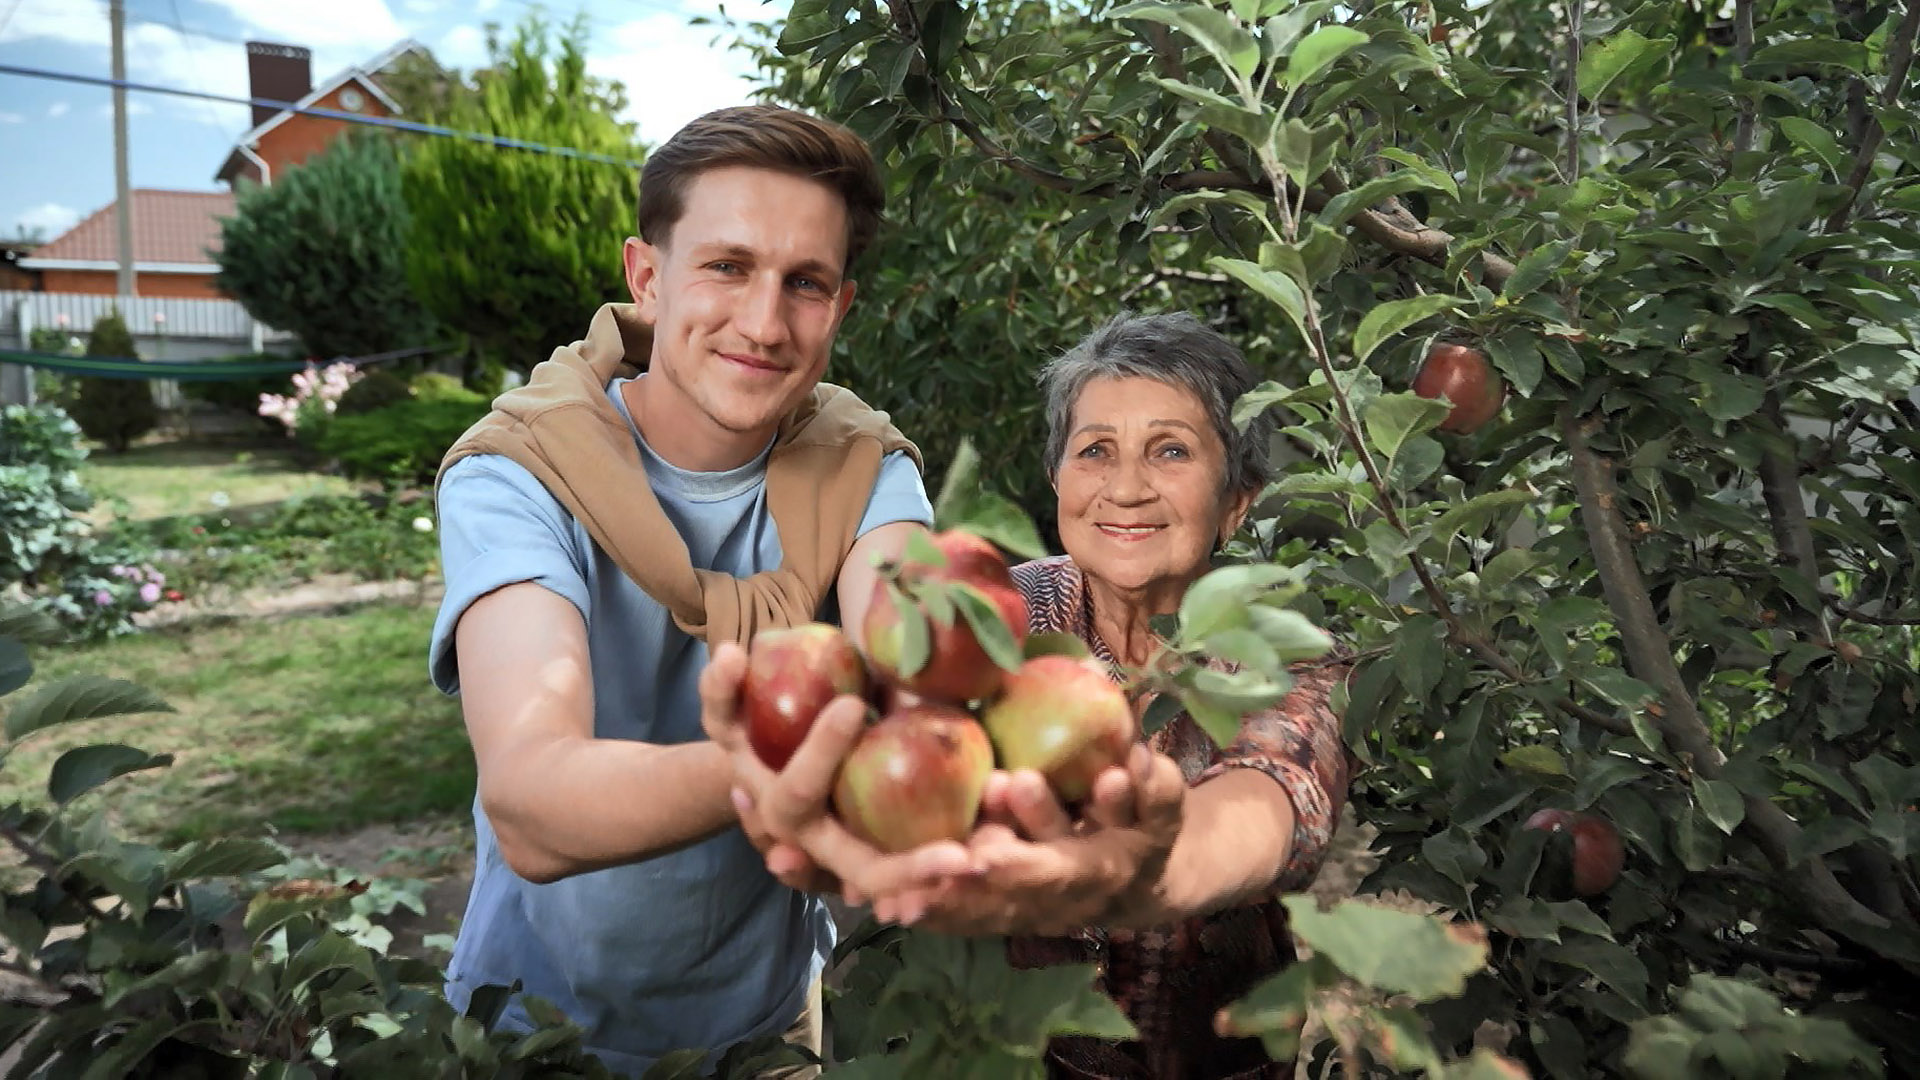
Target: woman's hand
(1045, 873)
(785, 814)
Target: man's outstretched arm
(562, 802)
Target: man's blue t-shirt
(697, 948)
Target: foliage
(375, 390)
(49, 553)
(1670, 585)
(384, 537)
(114, 411)
(516, 248)
(402, 443)
(308, 412)
(321, 252)
(212, 958)
(51, 387)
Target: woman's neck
(1122, 616)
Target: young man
(678, 477)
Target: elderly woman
(1153, 478)
(1168, 886)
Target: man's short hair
(763, 137)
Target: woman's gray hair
(1176, 349)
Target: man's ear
(641, 261)
(845, 300)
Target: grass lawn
(310, 724)
(166, 479)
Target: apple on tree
(1598, 854)
(1461, 375)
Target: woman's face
(1142, 485)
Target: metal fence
(163, 330)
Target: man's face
(745, 295)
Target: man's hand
(786, 815)
(1048, 874)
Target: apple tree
(1664, 588)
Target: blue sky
(56, 139)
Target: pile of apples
(942, 712)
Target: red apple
(792, 673)
(957, 668)
(914, 778)
(1598, 854)
(1064, 717)
(1463, 376)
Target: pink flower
(102, 598)
(149, 593)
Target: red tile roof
(168, 227)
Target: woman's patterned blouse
(1171, 980)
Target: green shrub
(49, 554)
(439, 386)
(114, 411)
(373, 391)
(403, 442)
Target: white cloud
(421, 7)
(464, 47)
(47, 219)
(673, 72)
(11, 118)
(75, 24)
(58, 109)
(360, 28)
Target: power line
(333, 114)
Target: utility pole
(123, 199)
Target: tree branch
(1856, 615)
(1899, 60)
(1650, 657)
(1787, 513)
(1574, 11)
(1742, 49)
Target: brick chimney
(277, 73)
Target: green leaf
(1605, 62)
(1534, 270)
(1613, 964)
(1474, 515)
(80, 697)
(1392, 419)
(1351, 202)
(29, 624)
(1817, 140)
(1319, 50)
(330, 951)
(224, 857)
(1536, 759)
(1619, 687)
(1161, 711)
(1293, 636)
(120, 1055)
(1808, 52)
(1277, 1004)
(84, 768)
(1390, 318)
(968, 504)
(1054, 644)
(1279, 288)
(921, 549)
(989, 629)
(1505, 568)
(1396, 951)
(1216, 31)
(1730, 395)
(1720, 801)
(1436, 176)
(1219, 600)
(1243, 647)
(916, 637)
(1221, 724)
(1419, 655)
(1454, 854)
(15, 667)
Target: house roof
(360, 73)
(174, 229)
